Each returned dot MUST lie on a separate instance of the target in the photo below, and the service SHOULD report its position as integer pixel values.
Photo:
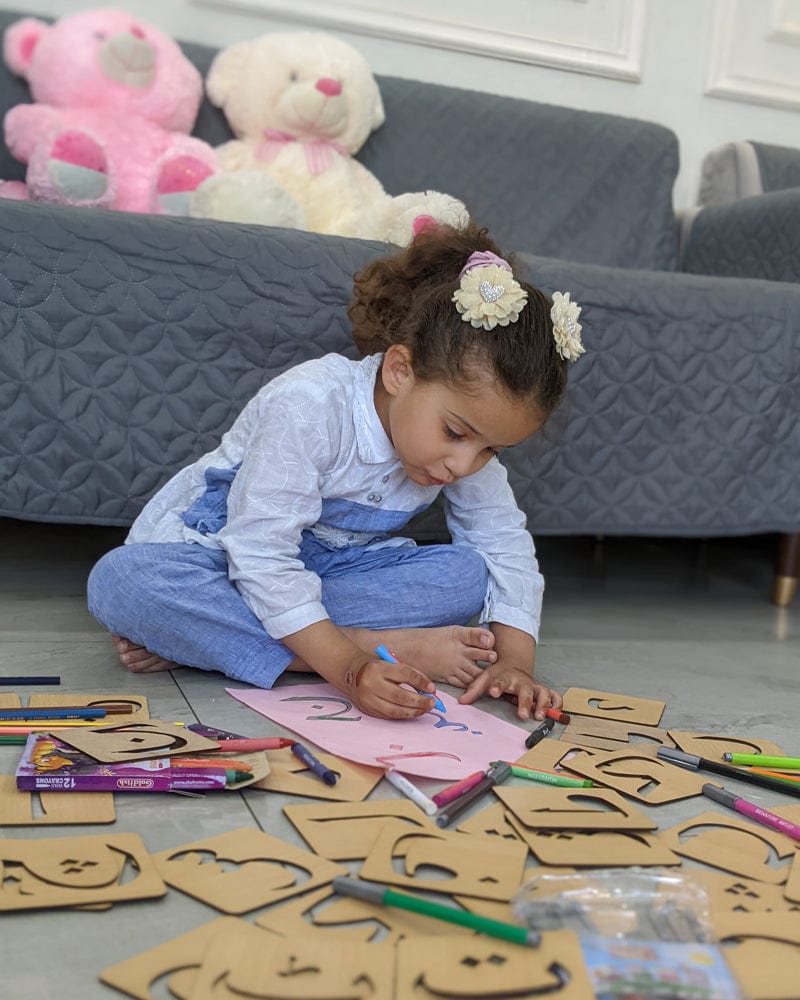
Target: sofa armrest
(753, 238)
(683, 416)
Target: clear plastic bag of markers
(644, 933)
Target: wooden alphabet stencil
(733, 894)
(290, 775)
(620, 707)
(177, 959)
(606, 734)
(554, 755)
(346, 831)
(469, 865)
(733, 845)
(468, 967)
(552, 808)
(74, 871)
(640, 774)
(763, 951)
(252, 963)
(243, 870)
(594, 848)
(52, 808)
(126, 741)
(137, 703)
(712, 747)
(351, 919)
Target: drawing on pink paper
(442, 745)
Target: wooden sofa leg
(787, 569)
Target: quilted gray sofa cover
(128, 343)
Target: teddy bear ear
(19, 40)
(224, 72)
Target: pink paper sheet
(435, 745)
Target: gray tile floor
(687, 622)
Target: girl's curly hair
(407, 298)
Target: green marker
(372, 892)
(550, 779)
(762, 760)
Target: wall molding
(618, 55)
(762, 77)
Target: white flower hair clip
(488, 293)
(566, 328)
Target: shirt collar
(373, 444)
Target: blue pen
(385, 655)
(314, 765)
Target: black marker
(539, 734)
(694, 763)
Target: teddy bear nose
(328, 86)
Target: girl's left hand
(500, 679)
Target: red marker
(263, 743)
(558, 715)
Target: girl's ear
(397, 368)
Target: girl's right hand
(376, 689)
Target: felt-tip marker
(388, 657)
(539, 734)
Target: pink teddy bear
(115, 101)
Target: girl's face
(442, 432)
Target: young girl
(278, 550)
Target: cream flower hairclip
(488, 293)
(566, 328)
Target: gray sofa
(128, 343)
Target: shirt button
(374, 498)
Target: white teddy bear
(301, 104)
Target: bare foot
(449, 654)
(138, 659)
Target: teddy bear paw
(177, 179)
(77, 168)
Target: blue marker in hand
(384, 654)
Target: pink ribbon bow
(320, 153)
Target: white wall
(751, 48)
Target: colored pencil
(762, 760)
(695, 763)
(752, 811)
(25, 681)
(777, 774)
(261, 743)
(372, 892)
(35, 714)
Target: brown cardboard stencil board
(249, 962)
(606, 734)
(137, 702)
(550, 807)
(490, 822)
(503, 911)
(10, 700)
(763, 951)
(607, 705)
(554, 755)
(791, 890)
(712, 747)
(290, 775)
(243, 870)
(352, 919)
(346, 831)
(736, 846)
(172, 961)
(468, 865)
(74, 871)
(47, 808)
(641, 775)
(595, 848)
(125, 741)
(729, 893)
(469, 967)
